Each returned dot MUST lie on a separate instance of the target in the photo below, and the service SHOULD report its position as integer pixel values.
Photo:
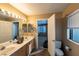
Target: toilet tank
(58, 44)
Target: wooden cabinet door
(33, 43)
(21, 52)
(24, 51)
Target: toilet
(58, 51)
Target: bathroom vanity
(23, 49)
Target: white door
(51, 35)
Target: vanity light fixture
(13, 15)
(3, 11)
(16, 16)
(19, 17)
(9, 14)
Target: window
(42, 26)
(73, 34)
(42, 22)
(73, 26)
(41, 29)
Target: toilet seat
(59, 52)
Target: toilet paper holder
(67, 48)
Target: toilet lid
(59, 52)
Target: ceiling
(39, 8)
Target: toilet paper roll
(67, 48)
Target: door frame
(37, 30)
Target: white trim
(36, 36)
(42, 19)
(73, 41)
(73, 13)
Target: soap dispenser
(15, 39)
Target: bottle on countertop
(15, 39)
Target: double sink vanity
(14, 49)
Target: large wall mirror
(28, 28)
(8, 29)
(5, 31)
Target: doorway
(42, 32)
(15, 29)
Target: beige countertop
(13, 47)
